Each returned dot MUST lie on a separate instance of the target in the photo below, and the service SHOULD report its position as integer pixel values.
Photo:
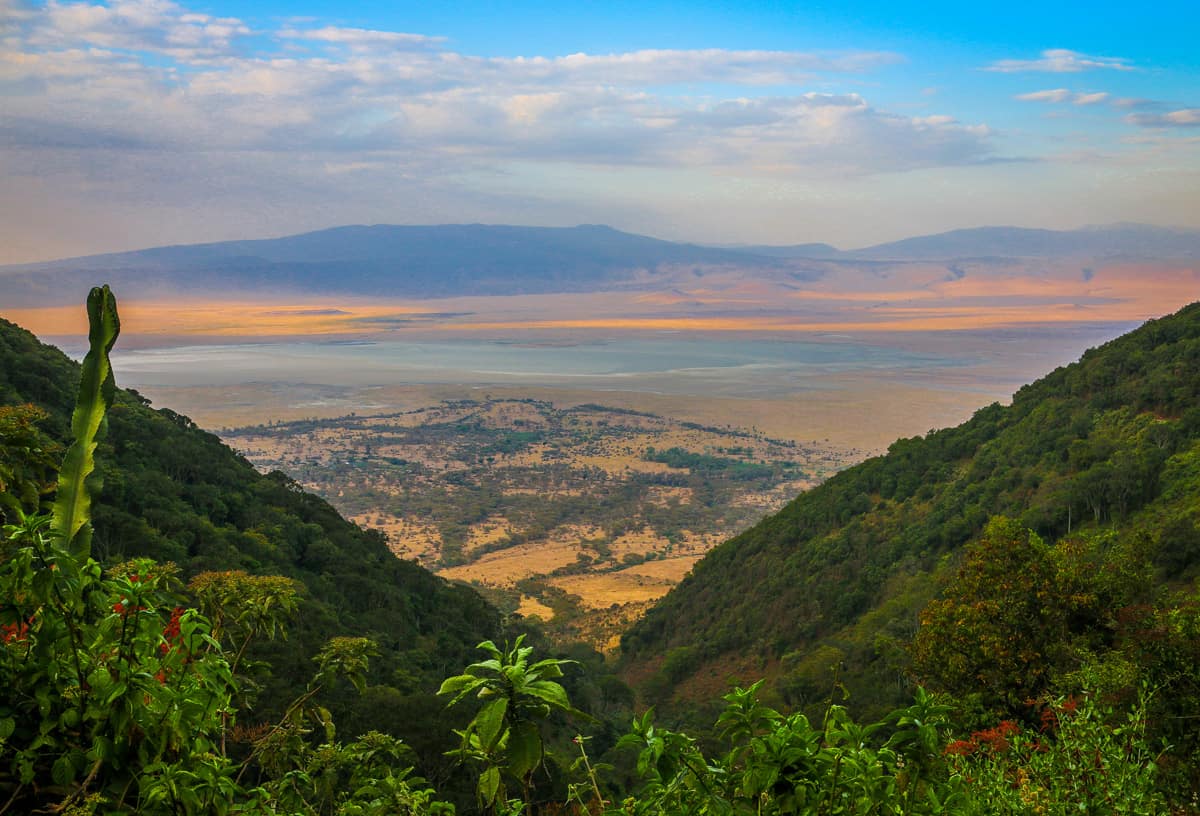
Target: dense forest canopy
(840, 575)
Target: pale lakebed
(859, 391)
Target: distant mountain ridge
(1117, 240)
(1140, 241)
(478, 259)
(380, 260)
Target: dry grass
(607, 589)
(505, 567)
(495, 528)
(410, 539)
(671, 570)
(532, 607)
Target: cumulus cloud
(95, 74)
(154, 26)
(147, 104)
(1061, 61)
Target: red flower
(171, 632)
(15, 631)
(996, 739)
(960, 748)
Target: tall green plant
(76, 479)
(505, 735)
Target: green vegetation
(1059, 672)
(706, 464)
(166, 490)
(1099, 459)
(504, 736)
(113, 703)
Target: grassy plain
(562, 510)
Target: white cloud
(360, 37)
(1184, 118)
(1055, 95)
(155, 26)
(147, 108)
(354, 92)
(1061, 61)
(1061, 95)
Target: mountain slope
(1138, 241)
(475, 259)
(1113, 241)
(400, 261)
(174, 492)
(837, 578)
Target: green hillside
(174, 492)
(1061, 672)
(830, 589)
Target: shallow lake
(667, 365)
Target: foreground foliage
(118, 698)
(125, 691)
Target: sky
(139, 123)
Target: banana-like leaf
(76, 480)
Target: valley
(760, 409)
(578, 513)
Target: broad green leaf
(102, 749)
(490, 647)
(76, 481)
(489, 784)
(550, 692)
(62, 772)
(524, 749)
(460, 686)
(489, 722)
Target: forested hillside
(830, 589)
(1061, 673)
(174, 492)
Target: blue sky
(142, 122)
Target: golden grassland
(598, 567)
